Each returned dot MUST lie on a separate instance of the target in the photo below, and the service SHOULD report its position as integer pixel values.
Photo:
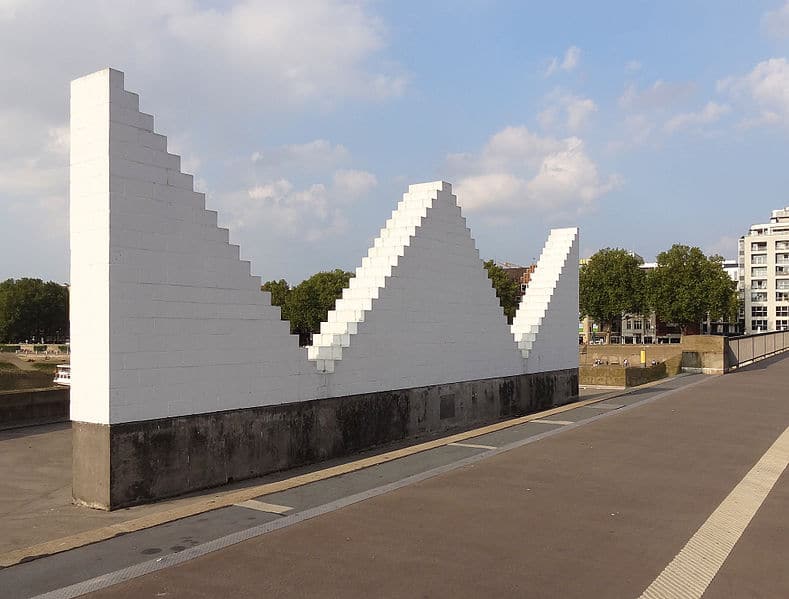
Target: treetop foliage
(307, 304)
(611, 283)
(686, 286)
(31, 309)
(507, 290)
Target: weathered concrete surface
(28, 407)
(14, 380)
(155, 459)
(598, 511)
(614, 375)
(703, 353)
(91, 473)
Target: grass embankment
(8, 366)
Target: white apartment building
(764, 274)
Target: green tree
(611, 283)
(279, 291)
(31, 309)
(309, 302)
(687, 286)
(507, 290)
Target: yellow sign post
(643, 357)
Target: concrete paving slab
(323, 492)
(516, 433)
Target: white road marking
(691, 571)
(261, 506)
(472, 445)
(562, 422)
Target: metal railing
(740, 351)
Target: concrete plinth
(138, 462)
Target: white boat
(63, 376)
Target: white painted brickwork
(421, 309)
(166, 320)
(546, 323)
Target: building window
(782, 245)
(759, 259)
(782, 296)
(758, 310)
(782, 284)
(782, 310)
(782, 325)
(758, 284)
(782, 258)
(759, 271)
(637, 325)
(758, 296)
(782, 270)
(758, 325)
(759, 246)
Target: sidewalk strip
(698, 562)
(561, 422)
(262, 506)
(472, 445)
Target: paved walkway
(593, 502)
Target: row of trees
(686, 287)
(31, 309)
(307, 304)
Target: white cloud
(725, 246)
(711, 113)
(776, 22)
(763, 93)
(578, 111)
(632, 66)
(517, 171)
(572, 111)
(660, 95)
(299, 190)
(309, 213)
(354, 183)
(318, 154)
(572, 56)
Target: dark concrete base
(30, 407)
(153, 459)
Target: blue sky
(643, 123)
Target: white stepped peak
(370, 278)
(536, 305)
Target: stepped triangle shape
(545, 326)
(166, 320)
(420, 303)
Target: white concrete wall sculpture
(166, 320)
(421, 309)
(546, 323)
